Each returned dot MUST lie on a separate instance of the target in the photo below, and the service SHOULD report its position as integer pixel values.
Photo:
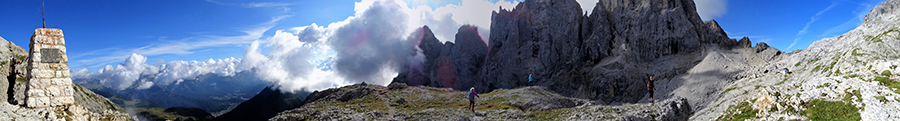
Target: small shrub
(849, 96)
(819, 110)
(886, 73)
(883, 80)
(789, 110)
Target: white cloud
(135, 68)
(178, 47)
(588, 5)
(709, 9)
(288, 64)
(444, 21)
(145, 85)
(369, 47)
(812, 20)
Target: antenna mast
(43, 19)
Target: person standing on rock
(650, 86)
(472, 96)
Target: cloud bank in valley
(136, 71)
(371, 46)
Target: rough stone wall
(48, 70)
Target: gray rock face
(452, 65)
(539, 37)
(468, 56)
(605, 56)
(744, 42)
(715, 27)
(11, 66)
(602, 56)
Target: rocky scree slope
(853, 76)
(88, 106)
(401, 102)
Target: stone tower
(48, 70)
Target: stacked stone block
(48, 70)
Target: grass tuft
(849, 96)
(881, 98)
(746, 112)
(819, 110)
(726, 90)
(886, 81)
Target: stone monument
(48, 70)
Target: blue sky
(780, 23)
(106, 32)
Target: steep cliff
(606, 56)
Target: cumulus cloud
(709, 9)
(444, 21)
(288, 64)
(136, 72)
(370, 41)
(370, 46)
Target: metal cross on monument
(43, 19)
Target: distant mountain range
(210, 92)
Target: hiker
(472, 96)
(530, 78)
(650, 86)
